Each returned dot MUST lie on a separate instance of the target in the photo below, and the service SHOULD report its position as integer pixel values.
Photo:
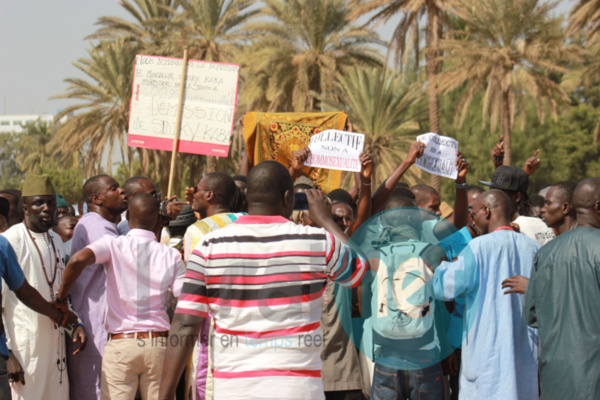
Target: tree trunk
(163, 168)
(505, 124)
(433, 22)
(211, 164)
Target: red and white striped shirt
(262, 278)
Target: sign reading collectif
(439, 156)
(335, 149)
(208, 110)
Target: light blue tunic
(499, 350)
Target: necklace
(49, 281)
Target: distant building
(16, 123)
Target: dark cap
(510, 178)
(4, 207)
(185, 218)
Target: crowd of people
(263, 286)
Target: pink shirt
(139, 270)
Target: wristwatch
(461, 185)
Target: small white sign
(439, 156)
(335, 149)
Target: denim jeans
(417, 384)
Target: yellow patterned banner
(271, 136)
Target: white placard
(439, 156)
(208, 106)
(335, 149)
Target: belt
(138, 335)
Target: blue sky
(39, 40)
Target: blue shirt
(13, 276)
(499, 350)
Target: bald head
(143, 211)
(268, 184)
(138, 184)
(496, 200)
(491, 210)
(586, 200)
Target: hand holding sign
(439, 155)
(335, 149)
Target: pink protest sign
(209, 103)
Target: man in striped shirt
(262, 278)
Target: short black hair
(421, 191)
(341, 196)
(131, 184)
(223, 186)
(268, 183)
(14, 204)
(567, 188)
(93, 186)
(537, 201)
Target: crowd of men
(261, 286)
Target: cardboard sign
(439, 156)
(335, 149)
(208, 107)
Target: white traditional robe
(39, 347)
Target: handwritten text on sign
(439, 156)
(208, 105)
(335, 149)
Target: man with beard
(105, 201)
(37, 348)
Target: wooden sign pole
(178, 122)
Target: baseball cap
(508, 177)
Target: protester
(36, 347)
(212, 199)
(559, 214)
(499, 351)
(105, 202)
(65, 228)
(135, 315)
(289, 361)
(514, 182)
(561, 301)
(139, 184)
(406, 339)
(62, 207)
(15, 215)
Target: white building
(16, 123)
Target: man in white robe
(35, 344)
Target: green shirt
(563, 301)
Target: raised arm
(461, 201)
(363, 212)
(383, 192)
(498, 153)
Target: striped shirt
(262, 278)
(197, 230)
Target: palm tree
(388, 110)
(301, 47)
(510, 49)
(585, 16)
(213, 30)
(406, 35)
(585, 20)
(104, 104)
(36, 145)
(151, 28)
